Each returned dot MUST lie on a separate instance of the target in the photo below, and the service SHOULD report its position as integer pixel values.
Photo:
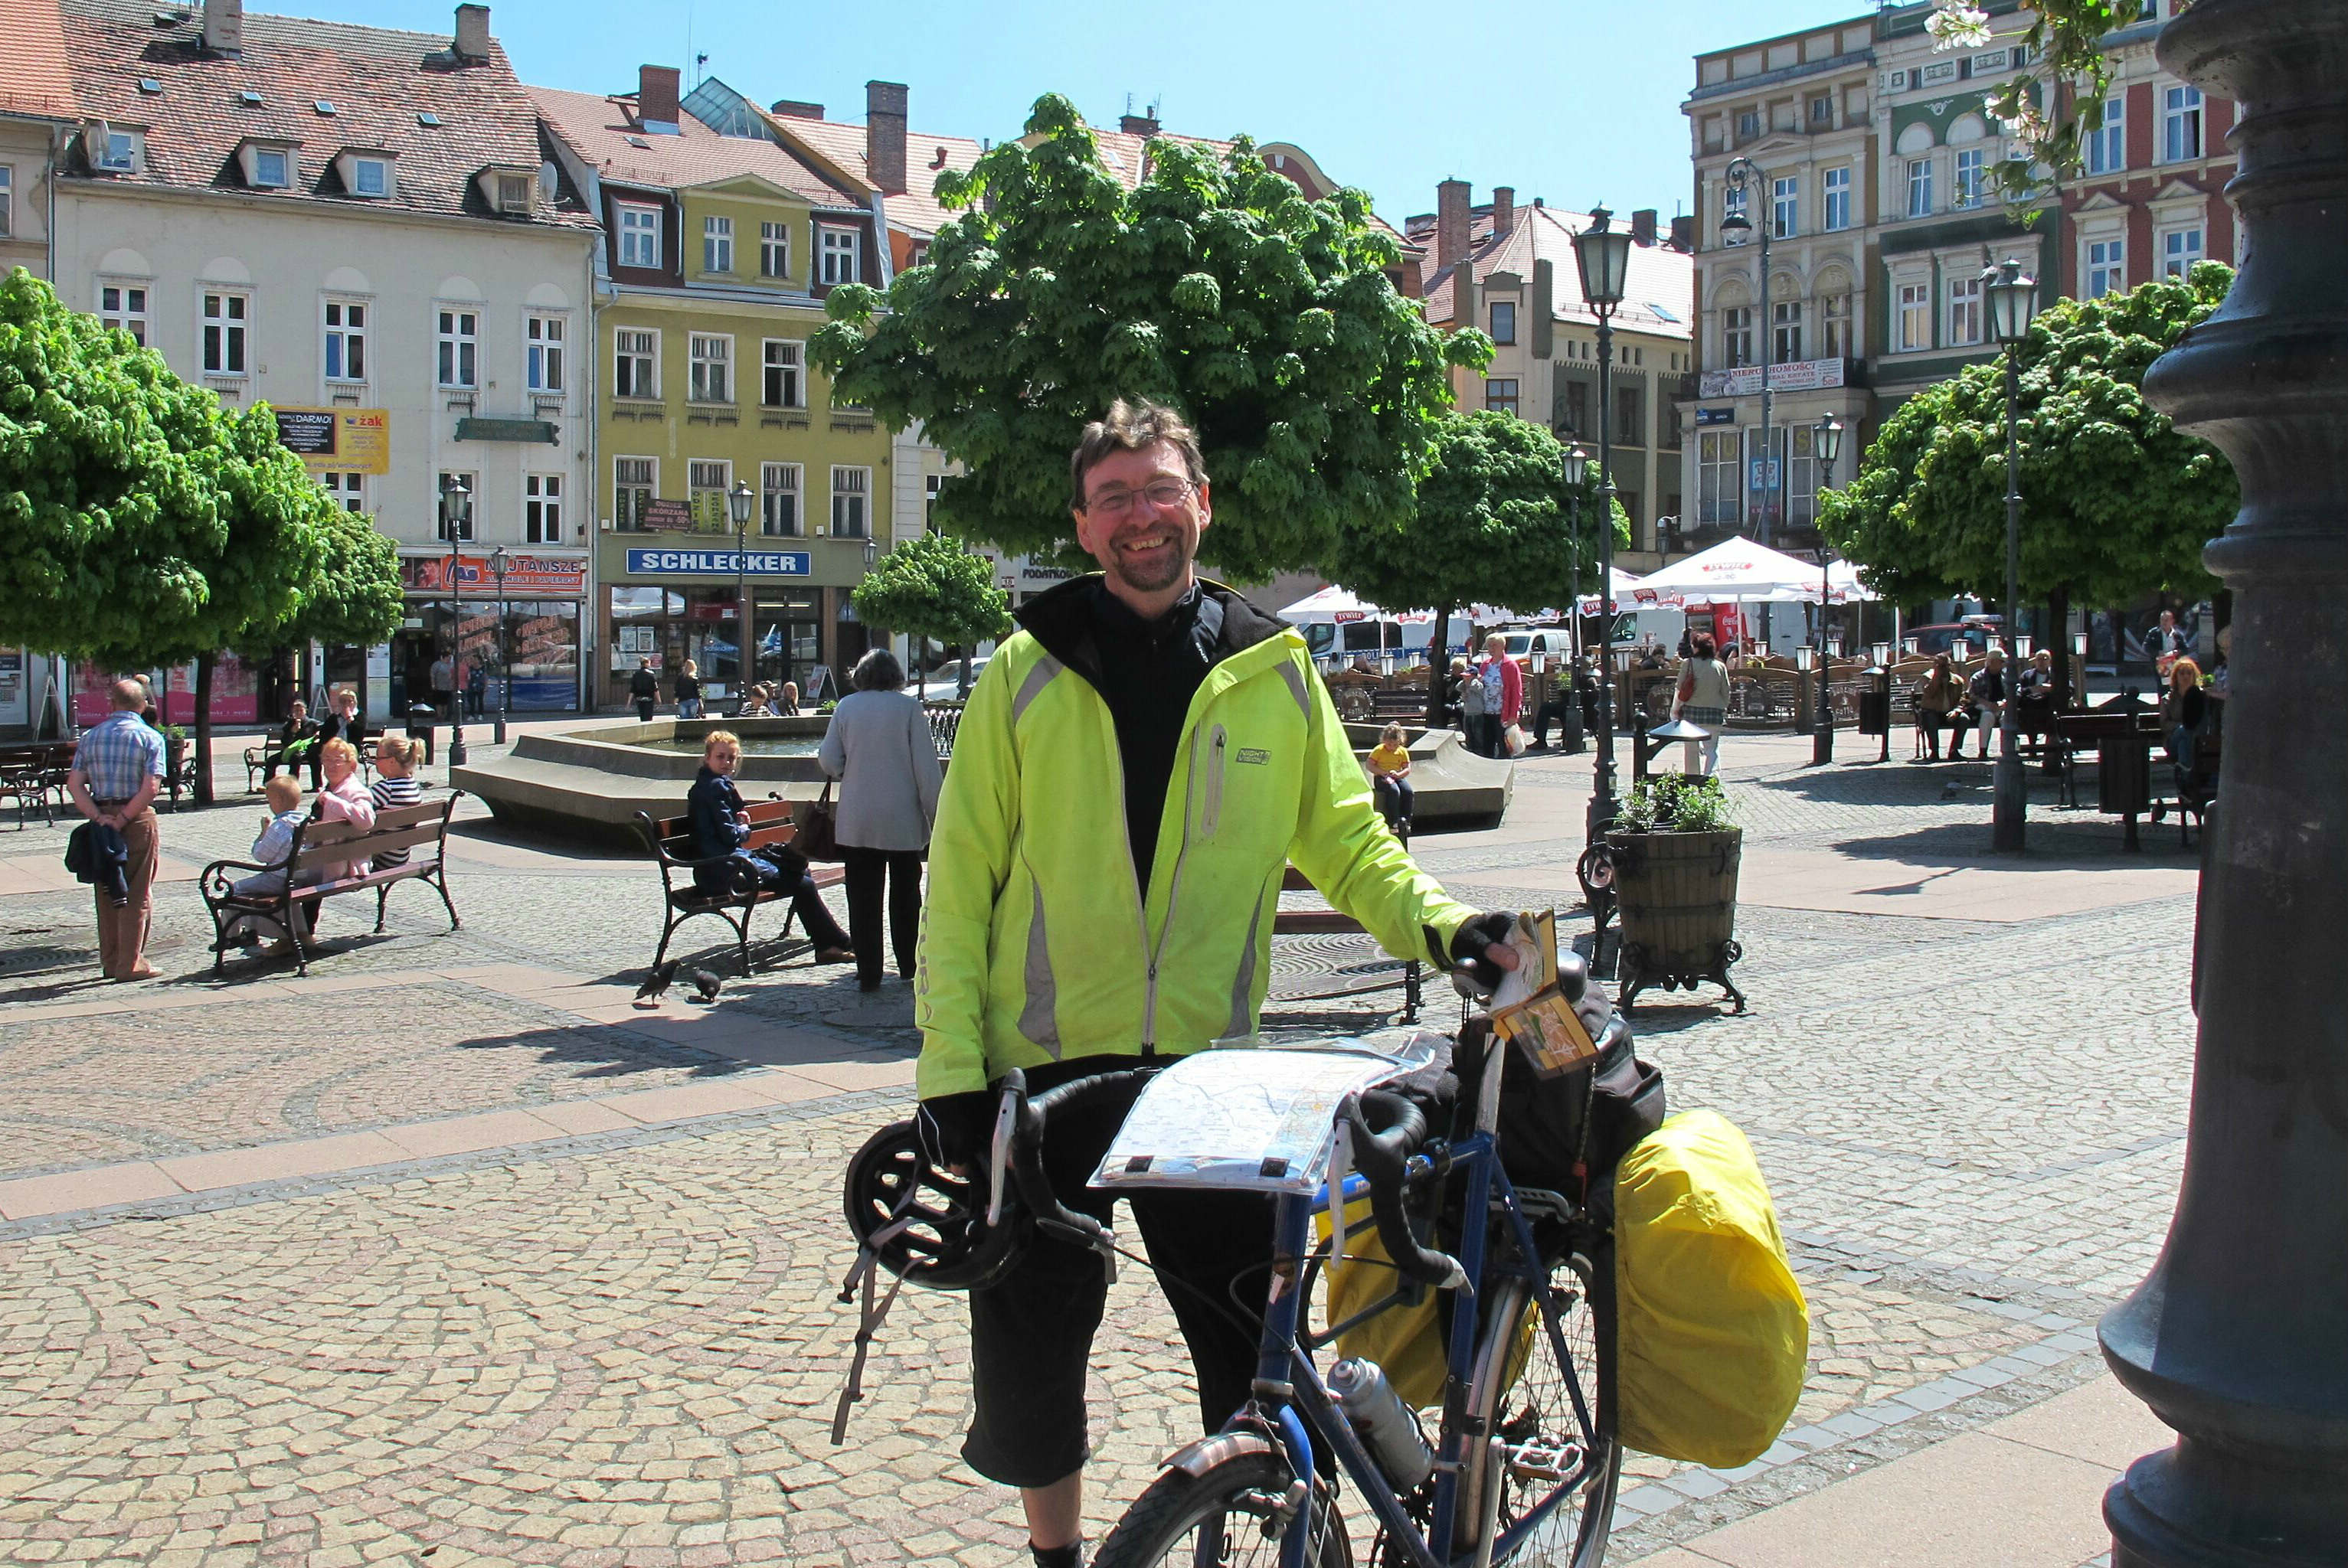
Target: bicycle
(1526, 1462)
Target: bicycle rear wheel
(1554, 1441)
(1216, 1521)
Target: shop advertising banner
(717, 563)
(527, 575)
(1745, 380)
(355, 440)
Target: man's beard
(1153, 576)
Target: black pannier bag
(1541, 1124)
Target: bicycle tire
(1159, 1527)
(1536, 1407)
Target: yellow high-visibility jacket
(1040, 939)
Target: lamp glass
(1913, 646)
(2012, 302)
(1577, 464)
(737, 501)
(2023, 644)
(2079, 644)
(1828, 440)
(1834, 645)
(1603, 255)
(1882, 654)
(1804, 658)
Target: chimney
(1684, 233)
(473, 35)
(656, 97)
(1450, 223)
(884, 135)
(1504, 211)
(1642, 225)
(1544, 303)
(792, 108)
(224, 26)
(1138, 123)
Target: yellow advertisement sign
(350, 440)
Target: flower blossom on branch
(1956, 25)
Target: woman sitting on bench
(719, 827)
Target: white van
(1333, 647)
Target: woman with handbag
(879, 749)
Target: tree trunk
(1438, 664)
(203, 729)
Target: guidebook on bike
(1530, 1010)
(1256, 1120)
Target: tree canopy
(355, 598)
(932, 587)
(2115, 501)
(1215, 286)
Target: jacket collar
(1067, 620)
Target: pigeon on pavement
(707, 984)
(648, 994)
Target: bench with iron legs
(34, 776)
(1316, 922)
(683, 898)
(322, 847)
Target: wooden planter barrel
(1677, 897)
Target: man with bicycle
(1133, 772)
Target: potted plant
(1675, 855)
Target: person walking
(879, 749)
(444, 685)
(1939, 695)
(644, 690)
(1702, 699)
(118, 766)
(2165, 644)
(688, 691)
(1504, 694)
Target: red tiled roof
(34, 77)
(1658, 295)
(606, 133)
(915, 211)
(378, 80)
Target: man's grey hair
(1133, 427)
(879, 672)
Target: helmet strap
(869, 1325)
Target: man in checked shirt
(116, 769)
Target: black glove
(1468, 945)
(957, 1129)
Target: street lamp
(1602, 253)
(456, 522)
(1745, 184)
(2013, 305)
(738, 505)
(505, 660)
(1825, 441)
(1577, 468)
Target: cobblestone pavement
(623, 1347)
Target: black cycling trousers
(1031, 1336)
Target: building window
(1785, 207)
(717, 244)
(7, 200)
(1500, 396)
(1571, 405)
(543, 337)
(346, 490)
(225, 318)
(632, 490)
(124, 305)
(1630, 417)
(1965, 311)
(932, 486)
(2106, 268)
(1801, 477)
(711, 372)
(779, 499)
(440, 487)
(706, 480)
(1736, 202)
(1834, 326)
(272, 168)
(1504, 321)
(460, 348)
(1822, 108)
(850, 487)
(346, 339)
(836, 248)
(1837, 188)
(1915, 316)
(370, 177)
(1748, 124)
(774, 250)
(2179, 249)
(1920, 186)
(2181, 123)
(2107, 148)
(1716, 457)
(1785, 325)
(635, 365)
(541, 507)
(639, 236)
(1970, 183)
(121, 155)
(1737, 335)
(785, 385)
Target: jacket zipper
(1173, 896)
(1140, 904)
(1214, 812)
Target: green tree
(1215, 286)
(931, 588)
(140, 524)
(1492, 524)
(2115, 501)
(354, 600)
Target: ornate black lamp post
(456, 523)
(2012, 305)
(1746, 183)
(2237, 1339)
(505, 654)
(738, 501)
(1826, 443)
(1602, 253)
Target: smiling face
(1144, 543)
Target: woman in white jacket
(879, 748)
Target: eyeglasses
(1157, 493)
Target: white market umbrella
(1842, 581)
(1334, 606)
(1627, 588)
(1736, 568)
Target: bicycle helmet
(928, 1225)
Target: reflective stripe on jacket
(1040, 941)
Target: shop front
(515, 637)
(667, 604)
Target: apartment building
(354, 225)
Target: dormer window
(366, 174)
(111, 150)
(514, 193)
(272, 169)
(509, 191)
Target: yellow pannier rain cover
(1406, 1342)
(1714, 1333)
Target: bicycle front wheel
(1217, 1521)
(1544, 1383)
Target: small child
(395, 784)
(1390, 777)
(273, 848)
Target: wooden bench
(681, 898)
(319, 845)
(34, 776)
(1403, 703)
(261, 760)
(2079, 730)
(1325, 921)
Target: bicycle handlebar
(1025, 1152)
(1383, 1157)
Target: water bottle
(1385, 1424)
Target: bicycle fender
(1195, 1460)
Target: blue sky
(1573, 100)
